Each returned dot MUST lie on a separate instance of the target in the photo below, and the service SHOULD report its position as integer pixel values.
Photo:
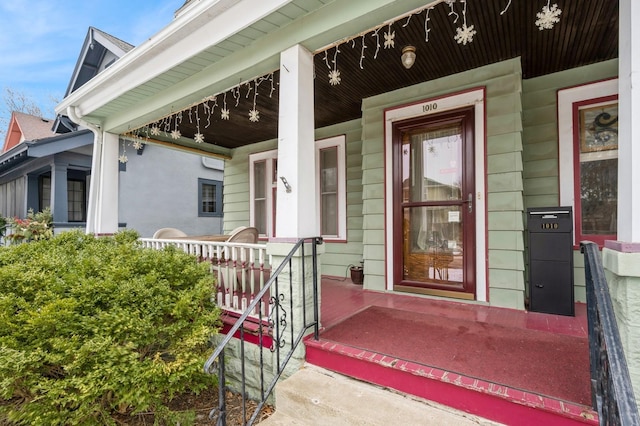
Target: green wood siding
(503, 84)
(540, 140)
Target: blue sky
(40, 40)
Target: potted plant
(357, 273)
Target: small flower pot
(357, 275)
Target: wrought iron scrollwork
(277, 306)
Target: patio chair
(243, 235)
(168, 233)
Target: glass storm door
(434, 220)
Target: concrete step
(315, 396)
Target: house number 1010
(429, 107)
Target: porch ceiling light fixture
(408, 56)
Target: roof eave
(178, 41)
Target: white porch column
(629, 125)
(105, 190)
(296, 210)
(621, 258)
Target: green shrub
(91, 326)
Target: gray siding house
(48, 163)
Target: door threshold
(435, 292)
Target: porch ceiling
(587, 33)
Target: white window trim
(566, 99)
(335, 141)
(339, 142)
(475, 97)
(253, 158)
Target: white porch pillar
(621, 258)
(296, 210)
(629, 125)
(104, 193)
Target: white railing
(240, 270)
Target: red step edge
(474, 396)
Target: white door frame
(473, 97)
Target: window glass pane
(45, 192)
(432, 164)
(329, 214)
(329, 169)
(260, 215)
(433, 244)
(260, 196)
(75, 200)
(329, 191)
(259, 171)
(599, 196)
(598, 151)
(208, 198)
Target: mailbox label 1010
(549, 225)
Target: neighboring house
(332, 132)
(48, 163)
(40, 169)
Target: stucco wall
(623, 277)
(540, 140)
(504, 175)
(160, 189)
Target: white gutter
(96, 161)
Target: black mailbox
(551, 260)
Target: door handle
(470, 202)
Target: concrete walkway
(315, 396)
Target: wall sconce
(408, 56)
(286, 184)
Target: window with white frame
(331, 184)
(331, 190)
(588, 156)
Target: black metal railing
(611, 389)
(278, 327)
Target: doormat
(544, 363)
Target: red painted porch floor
(531, 358)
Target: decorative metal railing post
(277, 325)
(612, 392)
(316, 306)
(222, 401)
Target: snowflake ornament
(224, 113)
(254, 115)
(137, 145)
(198, 138)
(155, 131)
(548, 17)
(334, 77)
(123, 158)
(464, 34)
(175, 134)
(389, 40)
